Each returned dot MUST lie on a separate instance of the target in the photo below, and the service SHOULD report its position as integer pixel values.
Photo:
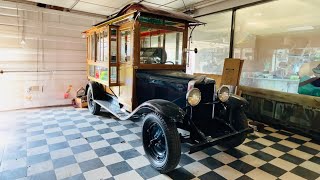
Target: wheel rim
(90, 99)
(157, 142)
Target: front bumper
(214, 141)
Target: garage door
(42, 55)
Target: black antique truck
(136, 62)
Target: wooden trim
(136, 60)
(94, 28)
(184, 45)
(128, 28)
(125, 26)
(97, 63)
(161, 66)
(117, 55)
(109, 53)
(299, 99)
(136, 43)
(161, 27)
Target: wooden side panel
(231, 71)
(126, 79)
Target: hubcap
(90, 99)
(157, 142)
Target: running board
(212, 142)
(113, 109)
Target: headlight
(194, 96)
(224, 93)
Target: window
(98, 45)
(93, 47)
(125, 39)
(105, 46)
(159, 46)
(213, 43)
(113, 44)
(280, 44)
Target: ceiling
(109, 7)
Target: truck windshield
(160, 46)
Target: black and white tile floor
(68, 143)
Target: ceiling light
(301, 28)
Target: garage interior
(47, 132)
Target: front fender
(236, 101)
(165, 108)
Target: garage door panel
(39, 71)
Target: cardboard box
(231, 73)
(81, 102)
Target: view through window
(213, 43)
(280, 43)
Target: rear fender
(165, 108)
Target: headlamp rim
(219, 90)
(188, 94)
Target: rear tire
(240, 123)
(93, 107)
(161, 142)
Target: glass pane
(125, 45)
(279, 43)
(113, 74)
(91, 71)
(173, 47)
(212, 42)
(154, 51)
(93, 52)
(98, 72)
(113, 45)
(105, 46)
(98, 46)
(101, 46)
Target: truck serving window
(160, 46)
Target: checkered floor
(68, 143)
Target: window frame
(182, 66)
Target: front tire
(161, 142)
(93, 107)
(240, 123)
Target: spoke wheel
(157, 142)
(161, 142)
(93, 107)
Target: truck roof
(152, 10)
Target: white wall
(53, 57)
